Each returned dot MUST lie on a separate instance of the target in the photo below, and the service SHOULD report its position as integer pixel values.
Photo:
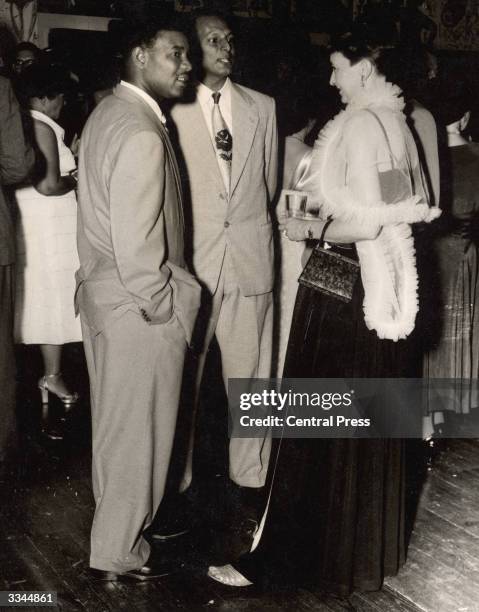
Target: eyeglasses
(23, 62)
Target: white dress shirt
(153, 104)
(205, 98)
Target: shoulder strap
(386, 137)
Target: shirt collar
(153, 104)
(205, 93)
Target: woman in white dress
(46, 235)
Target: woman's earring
(362, 80)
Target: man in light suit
(137, 301)
(227, 137)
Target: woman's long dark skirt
(337, 511)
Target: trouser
(243, 327)
(135, 377)
(8, 429)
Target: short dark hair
(363, 41)
(130, 34)
(29, 46)
(41, 80)
(196, 54)
(211, 11)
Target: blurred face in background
(23, 59)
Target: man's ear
(138, 56)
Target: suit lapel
(200, 136)
(245, 122)
(174, 169)
(126, 94)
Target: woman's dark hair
(364, 42)
(39, 81)
(29, 46)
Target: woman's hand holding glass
(295, 222)
(296, 229)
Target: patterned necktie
(223, 141)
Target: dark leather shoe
(153, 568)
(102, 575)
(170, 529)
(52, 432)
(174, 518)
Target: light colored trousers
(243, 327)
(135, 379)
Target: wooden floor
(46, 514)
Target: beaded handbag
(329, 272)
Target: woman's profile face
(346, 77)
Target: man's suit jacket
(16, 159)
(241, 221)
(130, 222)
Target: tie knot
(216, 96)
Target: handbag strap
(386, 137)
(329, 220)
(391, 156)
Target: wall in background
(450, 24)
(454, 24)
(458, 23)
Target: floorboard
(46, 516)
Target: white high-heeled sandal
(235, 578)
(68, 399)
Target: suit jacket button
(227, 224)
(222, 197)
